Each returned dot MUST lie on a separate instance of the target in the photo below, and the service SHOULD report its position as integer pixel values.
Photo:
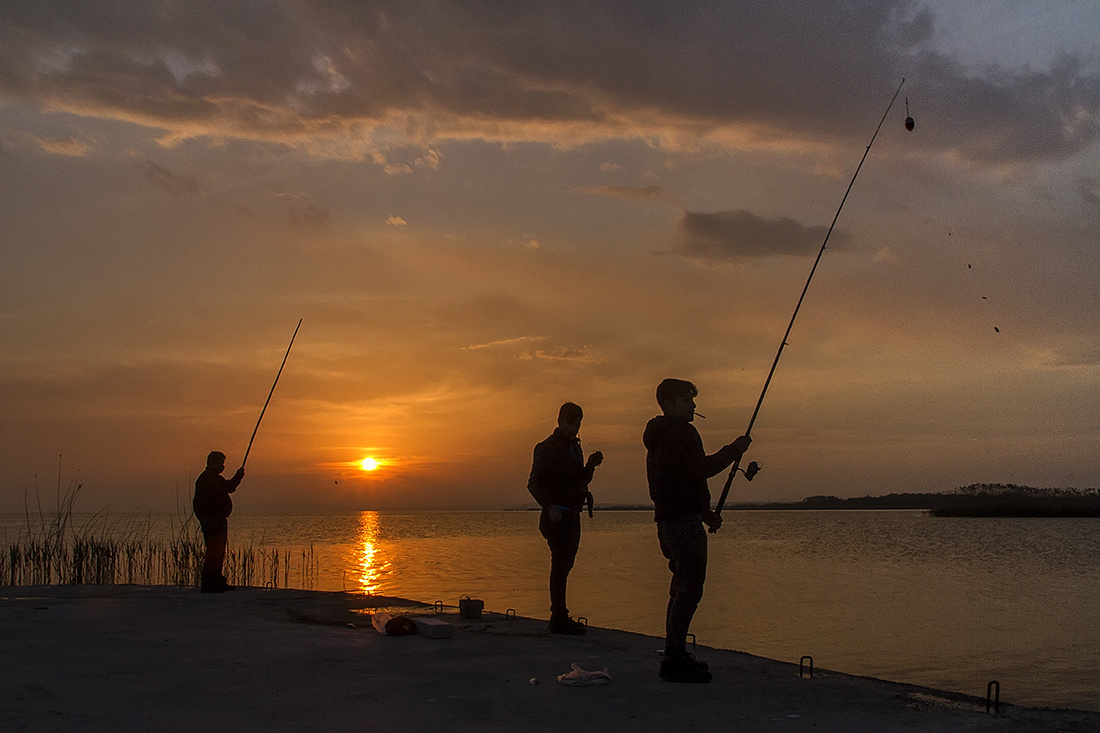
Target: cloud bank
(365, 73)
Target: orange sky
(479, 215)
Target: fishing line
(753, 467)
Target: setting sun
(369, 464)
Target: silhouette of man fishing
(677, 469)
(559, 482)
(212, 506)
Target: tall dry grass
(57, 552)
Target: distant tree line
(1012, 500)
(1017, 490)
(975, 500)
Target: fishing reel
(750, 470)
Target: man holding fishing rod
(559, 482)
(677, 468)
(213, 505)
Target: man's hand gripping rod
(748, 431)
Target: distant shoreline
(975, 500)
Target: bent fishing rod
(270, 393)
(753, 467)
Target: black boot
(562, 624)
(212, 583)
(683, 667)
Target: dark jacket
(212, 492)
(558, 474)
(678, 468)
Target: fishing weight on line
(751, 470)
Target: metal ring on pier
(993, 694)
(801, 662)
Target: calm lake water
(899, 595)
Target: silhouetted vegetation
(975, 500)
(1011, 500)
(55, 551)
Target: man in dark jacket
(677, 468)
(213, 505)
(559, 482)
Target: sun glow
(371, 563)
(369, 464)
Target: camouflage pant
(684, 545)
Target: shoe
(212, 589)
(690, 660)
(687, 659)
(566, 625)
(685, 668)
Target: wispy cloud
(635, 193)
(64, 146)
(503, 342)
(579, 355)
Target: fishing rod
(270, 393)
(753, 467)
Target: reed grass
(55, 551)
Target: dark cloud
(1010, 117)
(301, 212)
(736, 236)
(166, 180)
(799, 70)
(307, 215)
(1090, 189)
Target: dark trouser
(684, 544)
(215, 532)
(564, 538)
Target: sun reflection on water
(371, 564)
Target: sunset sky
(480, 210)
